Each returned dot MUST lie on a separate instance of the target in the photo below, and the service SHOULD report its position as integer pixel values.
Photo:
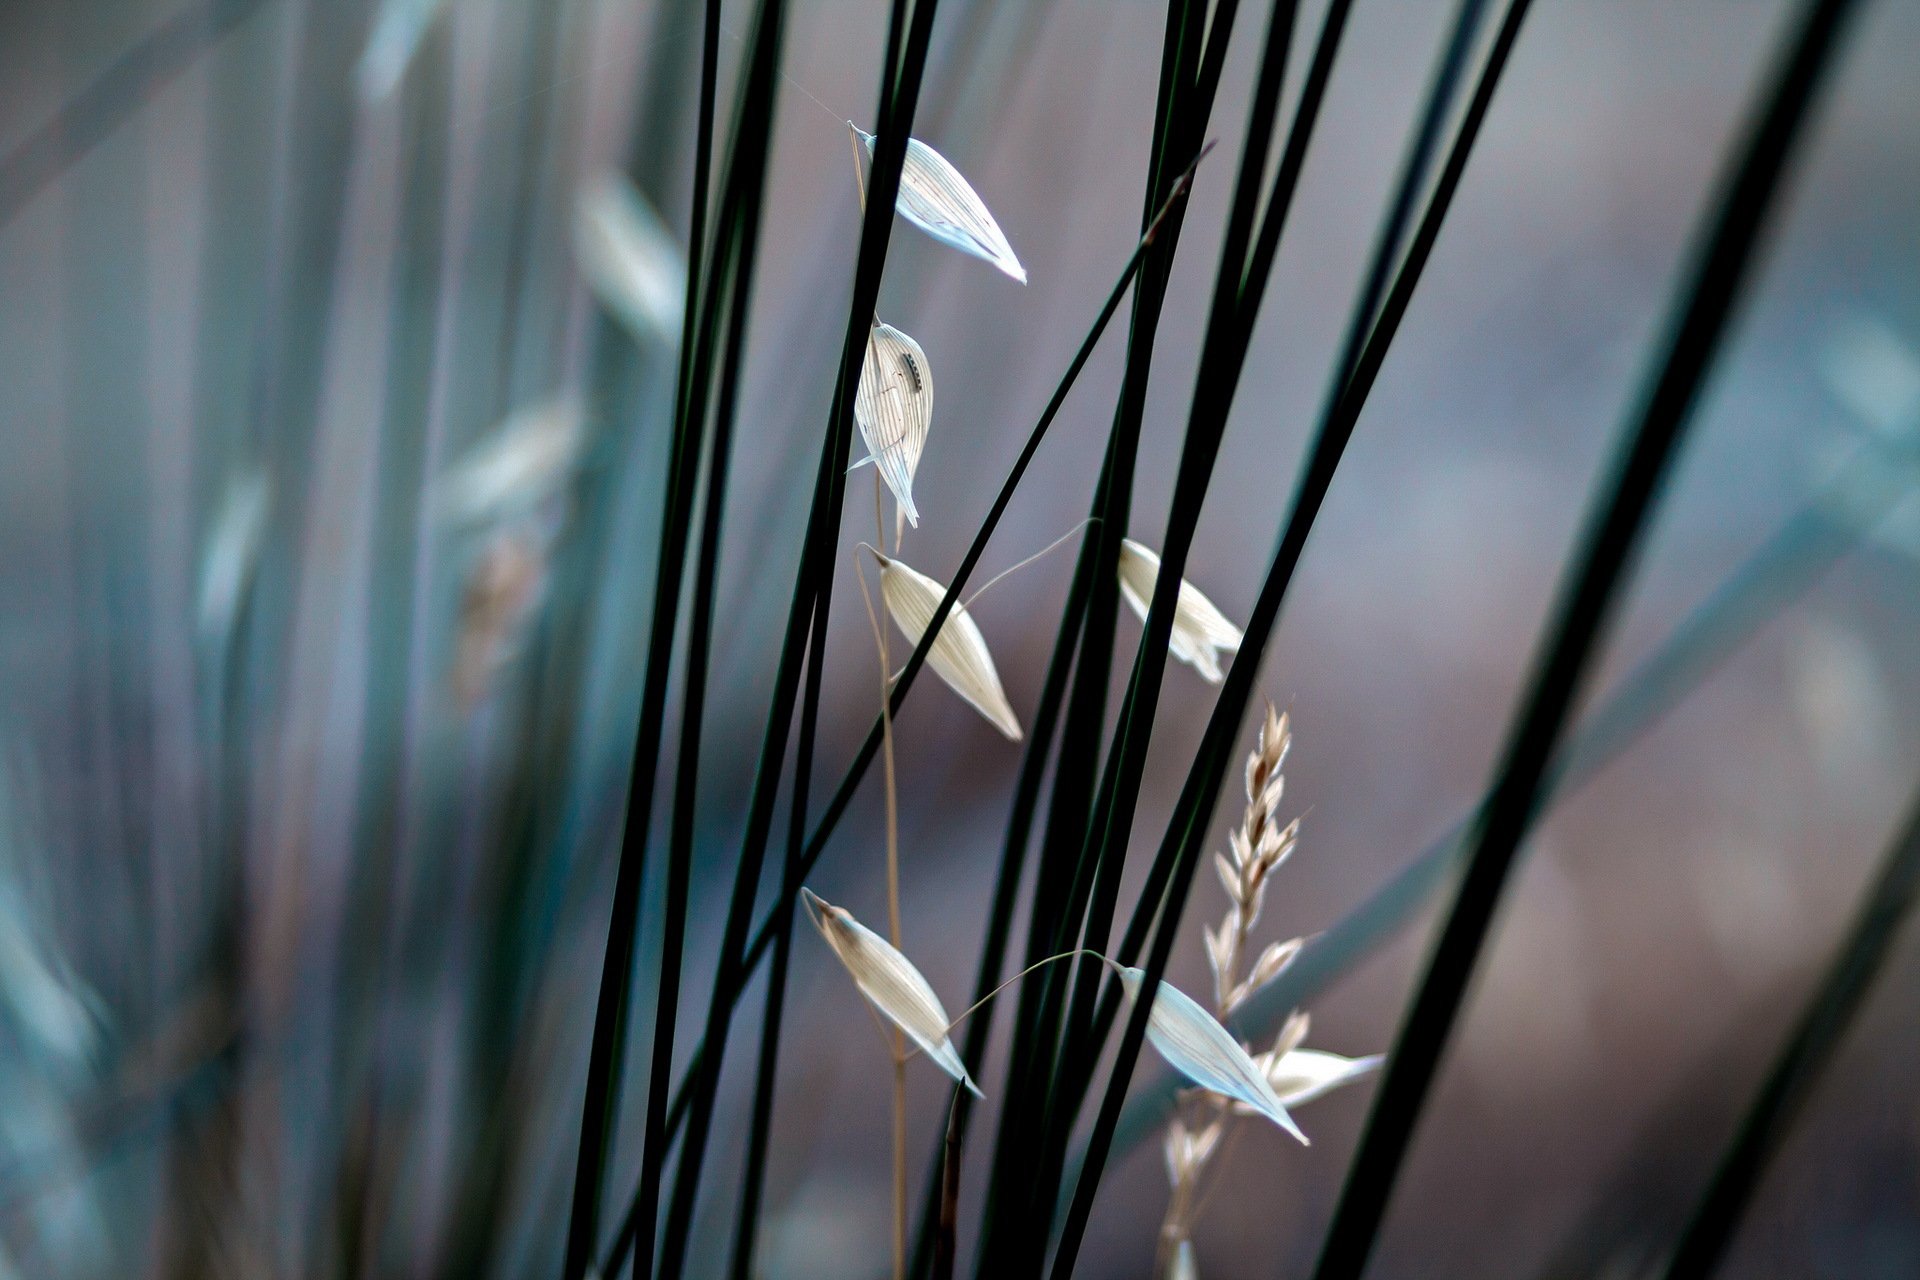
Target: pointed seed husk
(891, 983)
(516, 467)
(959, 654)
(1302, 1075)
(1200, 634)
(894, 410)
(937, 199)
(1199, 1048)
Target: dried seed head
(889, 980)
(959, 654)
(1199, 1048)
(1272, 962)
(894, 411)
(1188, 1150)
(936, 199)
(629, 258)
(1201, 633)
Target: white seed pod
(891, 983)
(629, 258)
(936, 199)
(1301, 1075)
(1201, 633)
(959, 654)
(525, 459)
(894, 410)
(396, 35)
(1203, 1051)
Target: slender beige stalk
(859, 173)
(893, 893)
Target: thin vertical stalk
(1180, 848)
(1607, 552)
(813, 593)
(1019, 1181)
(897, 1040)
(609, 1028)
(1412, 179)
(803, 644)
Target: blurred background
(333, 467)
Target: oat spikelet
(894, 410)
(1301, 1075)
(936, 199)
(890, 983)
(1201, 633)
(959, 654)
(1199, 1048)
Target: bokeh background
(311, 794)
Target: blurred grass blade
(398, 28)
(111, 98)
(227, 565)
(1823, 1024)
(1607, 551)
(630, 258)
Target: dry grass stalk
(1293, 1075)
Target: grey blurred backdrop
(208, 298)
